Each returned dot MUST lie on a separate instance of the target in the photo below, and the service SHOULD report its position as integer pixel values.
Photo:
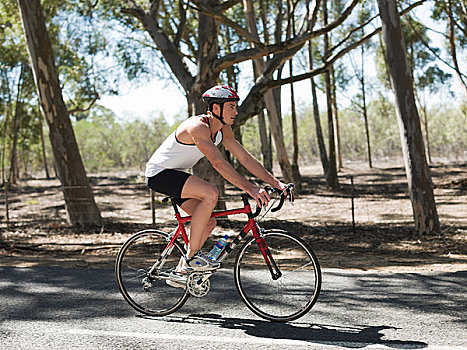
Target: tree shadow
(45, 293)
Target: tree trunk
(265, 137)
(425, 122)
(452, 46)
(422, 105)
(331, 179)
(367, 133)
(271, 106)
(365, 114)
(319, 130)
(44, 153)
(16, 122)
(6, 120)
(295, 169)
(208, 30)
(335, 118)
(418, 173)
(79, 200)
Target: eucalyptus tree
(186, 33)
(331, 178)
(361, 97)
(13, 88)
(422, 58)
(80, 204)
(83, 69)
(454, 13)
(418, 172)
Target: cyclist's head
(219, 95)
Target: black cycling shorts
(169, 182)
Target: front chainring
(198, 284)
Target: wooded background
(58, 58)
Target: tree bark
(208, 48)
(331, 178)
(273, 113)
(295, 169)
(319, 131)
(265, 137)
(418, 173)
(335, 118)
(79, 200)
(364, 108)
(16, 122)
(44, 153)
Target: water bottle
(218, 247)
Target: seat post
(166, 199)
(174, 206)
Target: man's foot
(201, 262)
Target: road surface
(56, 308)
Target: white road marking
(257, 341)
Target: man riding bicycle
(195, 138)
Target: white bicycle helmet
(219, 95)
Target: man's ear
(216, 108)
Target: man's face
(230, 112)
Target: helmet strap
(220, 117)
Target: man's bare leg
(201, 222)
(189, 207)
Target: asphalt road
(54, 308)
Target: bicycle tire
(135, 258)
(293, 294)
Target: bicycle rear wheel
(148, 291)
(288, 296)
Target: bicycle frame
(251, 225)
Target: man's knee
(211, 195)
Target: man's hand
(260, 195)
(282, 187)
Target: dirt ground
(382, 238)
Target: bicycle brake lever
(287, 192)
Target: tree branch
(248, 54)
(76, 110)
(251, 105)
(452, 45)
(181, 27)
(326, 65)
(226, 5)
(208, 11)
(364, 24)
(425, 43)
(167, 48)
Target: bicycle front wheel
(142, 272)
(289, 294)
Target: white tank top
(173, 154)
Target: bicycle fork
(268, 259)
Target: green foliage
(448, 136)
(250, 137)
(447, 127)
(107, 144)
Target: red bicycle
(276, 273)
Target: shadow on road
(348, 337)
(64, 295)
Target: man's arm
(202, 138)
(247, 160)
